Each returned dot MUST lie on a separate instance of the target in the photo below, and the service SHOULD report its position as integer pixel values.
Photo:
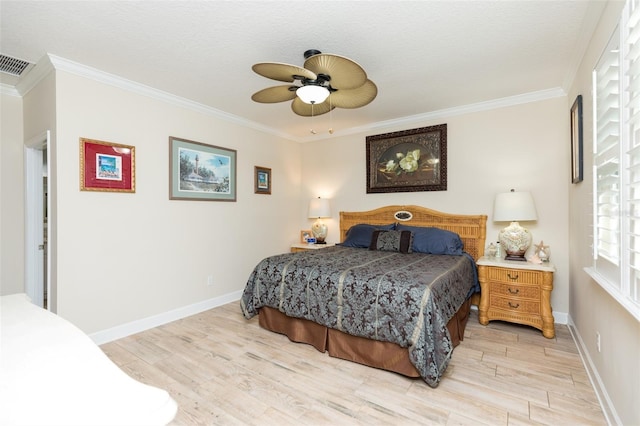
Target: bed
(51, 373)
(373, 301)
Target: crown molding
(7, 89)
(448, 112)
(478, 107)
(81, 70)
(50, 63)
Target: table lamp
(319, 208)
(513, 207)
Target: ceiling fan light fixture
(312, 94)
(324, 77)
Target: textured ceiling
(424, 56)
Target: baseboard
(560, 317)
(601, 392)
(124, 330)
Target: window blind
(631, 274)
(606, 161)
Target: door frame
(34, 218)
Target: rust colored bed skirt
(384, 355)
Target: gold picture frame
(107, 166)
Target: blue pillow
(434, 240)
(360, 235)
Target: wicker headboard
(471, 228)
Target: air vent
(12, 66)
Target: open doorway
(45, 230)
(37, 208)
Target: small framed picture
(576, 141)
(106, 166)
(305, 235)
(262, 180)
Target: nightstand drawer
(515, 290)
(512, 304)
(521, 276)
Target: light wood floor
(223, 369)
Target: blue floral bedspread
(402, 298)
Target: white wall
(592, 309)
(123, 257)
(12, 200)
(522, 146)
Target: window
(616, 165)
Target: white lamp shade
(319, 207)
(513, 207)
(312, 94)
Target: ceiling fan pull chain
(313, 132)
(330, 116)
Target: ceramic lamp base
(319, 230)
(515, 240)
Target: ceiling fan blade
(304, 109)
(354, 98)
(274, 94)
(282, 72)
(345, 74)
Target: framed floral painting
(408, 161)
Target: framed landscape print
(262, 180)
(198, 171)
(408, 160)
(106, 166)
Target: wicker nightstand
(517, 292)
(303, 246)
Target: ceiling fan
(326, 82)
